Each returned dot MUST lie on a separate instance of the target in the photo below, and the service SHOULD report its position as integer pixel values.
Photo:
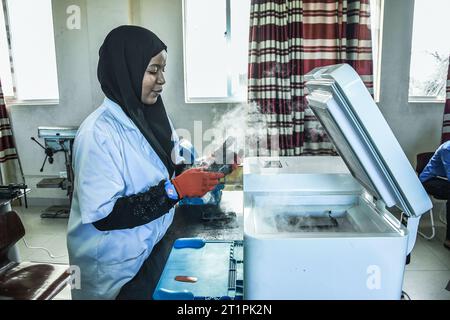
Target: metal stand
(441, 213)
(433, 228)
(57, 140)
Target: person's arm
(101, 188)
(137, 210)
(445, 157)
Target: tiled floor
(45, 233)
(426, 276)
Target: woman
(124, 160)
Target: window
(376, 21)
(32, 51)
(430, 50)
(216, 35)
(216, 50)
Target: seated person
(435, 179)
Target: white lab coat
(111, 159)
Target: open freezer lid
(347, 111)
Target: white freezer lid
(347, 111)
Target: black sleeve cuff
(136, 210)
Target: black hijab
(124, 58)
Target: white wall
(416, 126)
(164, 18)
(77, 56)
(80, 93)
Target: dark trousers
(440, 189)
(143, 284)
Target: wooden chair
(26, 280)
(422, 161)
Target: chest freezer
(318, 227)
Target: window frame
(13, 100)
(378, 53)
(219, 100)
(425, 100)
(420, 99)
(233, 99)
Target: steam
(292, 220)
(249, 130)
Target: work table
(188, 222)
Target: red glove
(195, 182)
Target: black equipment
(57, 139)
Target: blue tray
(212, 269)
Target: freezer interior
(296, 216)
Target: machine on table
(57, 139)
(315, 230)
(14, 191)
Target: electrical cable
(405, 296)
(44, 249)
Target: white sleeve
(98, 175)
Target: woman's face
(154, 80)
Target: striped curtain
(289, 38)
(446, 120)
(10, 169)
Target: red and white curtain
(10, 170)
(289, 38)
(446, 120)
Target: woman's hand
(196, 182)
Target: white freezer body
(346, 268)
(315, 228)
(362, 258)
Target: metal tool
(57, 139)
(14, 191)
